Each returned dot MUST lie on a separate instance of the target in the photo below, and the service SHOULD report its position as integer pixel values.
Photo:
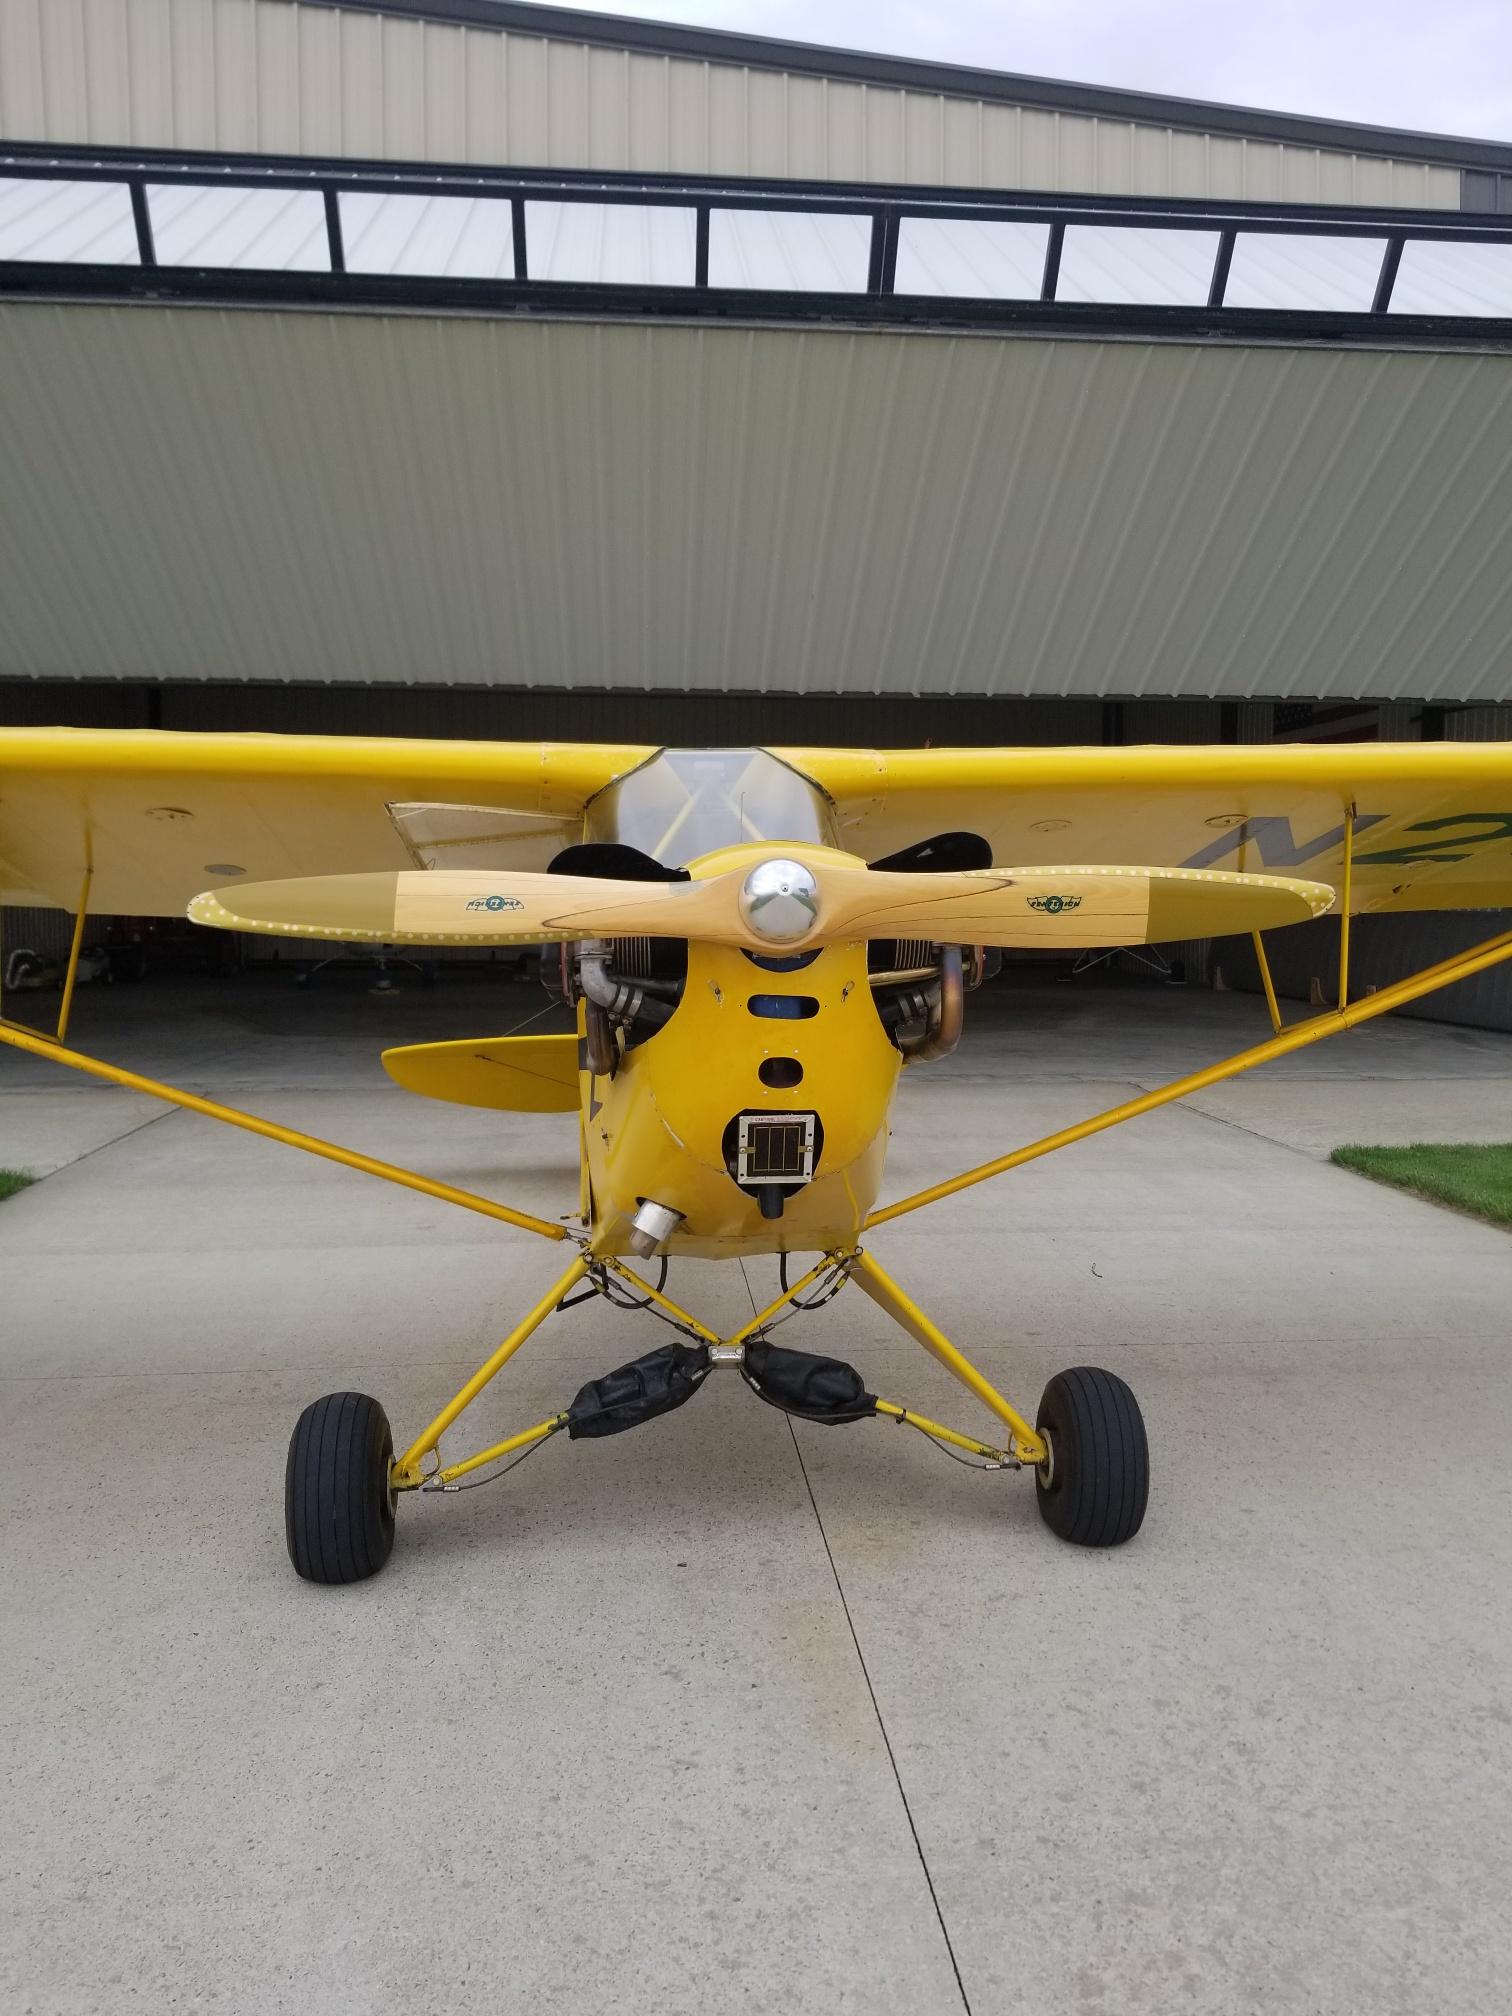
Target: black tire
(338, 1507)
(1100, 1460)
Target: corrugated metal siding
(1398, 721)
(1479, 724)
(513, 503)
(1187, 721)
(270, 76)
(1256, 721)
(49, 932)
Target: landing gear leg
(1088, 1449)
(1027, 1444)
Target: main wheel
(338, 1507)
(1097, 1482)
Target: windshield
(685, 803)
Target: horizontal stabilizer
(512, 1074)
(1075, 907)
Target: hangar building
(459, 367)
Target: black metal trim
(521, 248)
(882, 258)
(701, 247)
(904, 73)
(1222, 260)
(334, 239)
(888, 276)
(874, 253)
(141, 216)
(196, 287)
(1391, 259)
(1050, 276)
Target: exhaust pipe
(651, 1228)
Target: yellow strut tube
(507, 1448)
(406, 1472)
(757, 1322)
(76, 946)
(1028, 1445)
(1490, 952)
(1266, 981)
(43, 1046)
(1345, 897)
(672, 1308)
(70, 978)
(940, 1434)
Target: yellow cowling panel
(513, 1074)
(656, 1129)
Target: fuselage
(795, 1046)
(745, 1093)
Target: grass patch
(1463, 1174)
(12, 1180)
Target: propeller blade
(449, 906)
(1076, 907)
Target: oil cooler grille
(774, 1148)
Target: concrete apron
(600, 1736)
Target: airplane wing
(161, 816)
(1433, 820)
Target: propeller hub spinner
(779, 900)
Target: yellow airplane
(756, 943)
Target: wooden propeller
(778, 906)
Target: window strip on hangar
(438, 237)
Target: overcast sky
(1439, 66)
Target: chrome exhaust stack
(651, 1228)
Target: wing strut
(1490, 952)
(71, 974)
(251, 1123)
